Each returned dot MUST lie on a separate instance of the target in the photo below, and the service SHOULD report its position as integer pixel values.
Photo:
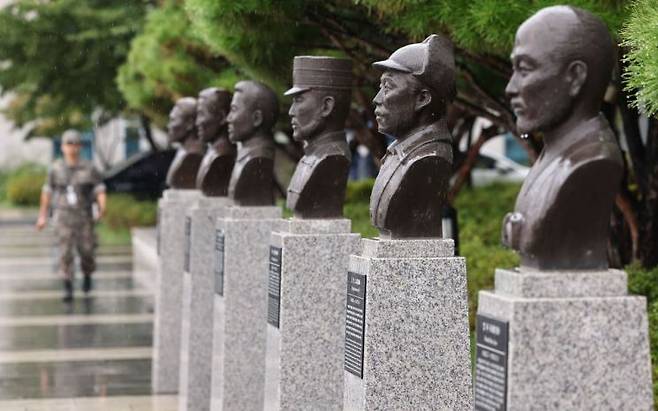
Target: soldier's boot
(68, 291)
(87, 283)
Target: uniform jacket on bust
(410, 189)
(253, 174)
(184, 169)
(317, 188)
(215, 170)
(562, 213)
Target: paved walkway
(92, 355)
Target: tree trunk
(148, 135)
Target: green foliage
(168, 61)
(640, 37)
(643, 281)
(124, 211)
(23, 185)
(653, 341)
(60, 59)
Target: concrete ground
(93, 354)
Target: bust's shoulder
(429, 151)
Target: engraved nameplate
(188, 243)
(219, 264)
(491, 364)
(355, 323)
(274, 287)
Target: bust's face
(179, 125)
(240, 119)
(538, 90)
(306, 114)
(395, 104)
(208, 121)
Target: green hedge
(124, 211)
(645, 282)
(22, 186)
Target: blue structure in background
(515, 151)
(87, 152)
(132, 141)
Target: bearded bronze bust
(321, 102)
(182, 132)
(417, 83)
(563, 59)
(254, 111)
(215, 170)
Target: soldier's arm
(100, 192)
(44, 202)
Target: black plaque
(274, 287)
(491, 364)
(219, 265)
(188, 243)
(355, 323)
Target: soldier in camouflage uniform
(72, 187)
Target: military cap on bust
(432, 62)
(311, 72)
(71, 137)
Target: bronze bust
(321, 103)
(254, 111)
(563, 59)
(214, 174)
(182, 132)
(417, 84)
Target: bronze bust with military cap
(321, 102)
(182, 132)
(215, 170)
(417, 83)
(563, 59)
(254, 111)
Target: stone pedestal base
(169, 288)
(306, 315)
(197, 323)
(238, 374)
(576, 341)
(412, 350)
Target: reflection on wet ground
(94, 354)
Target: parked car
(491, 168)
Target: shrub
(23, 185)
(124, 211)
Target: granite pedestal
(562, 340)
(169, 288)
(306, 313)
(407, 341)
(197, 320)
(238, 374)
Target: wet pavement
(93, 354)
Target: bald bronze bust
(321, 102)
(182, 132)
(215, 170)
(254, 110)
(411, 187)
(563, 59)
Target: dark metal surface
(219, 266)
(491, 364)
(274, 287)
(215, 170)
(254, 110)
(563, 59)
(321, 100)
(411, 187)
(182, 132)
(355, 323)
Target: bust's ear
(576, 76)
(221, 117)
(257, 118)
(423, 99)
(328, 104)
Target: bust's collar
(255, 143)
(324, 139)
(437, 131)
(579, 134)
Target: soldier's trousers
(75, 232)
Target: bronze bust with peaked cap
(215, 170)
(321, 103)
(254, 111)
(417, 84)
(182, 132)
(563, 59)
